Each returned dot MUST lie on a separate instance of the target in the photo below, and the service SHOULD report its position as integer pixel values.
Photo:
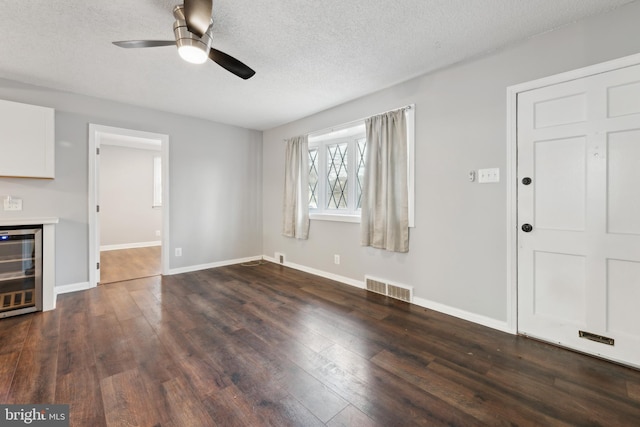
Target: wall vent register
(20, 270)
(393, 290)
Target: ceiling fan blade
(231, 64)
(128, 44)
(197, 13)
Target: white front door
(579, 190)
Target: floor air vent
(376, 286)
(401, 292)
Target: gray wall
(127, 214)
(458, 249)
(215, 172)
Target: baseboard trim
(315, 272)
(422, 302)
(191, 268)
(130, 246)
(463, 314)
(73, 287)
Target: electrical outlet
(157, 233)
(178, 251)
(12, 204)
(336, 259)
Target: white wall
(458, 249)
(127, 215)
(215, 173)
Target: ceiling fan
(193, 34)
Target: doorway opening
(128, 204)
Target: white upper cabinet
(26, 140)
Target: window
(336, 170)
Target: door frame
(512, 166)
(96, 132)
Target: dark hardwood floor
(267, 345)
(127, 264)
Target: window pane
(361, 146)
(337, 176)
(313, 178)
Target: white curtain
(385, 198)
(295, 209)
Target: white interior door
(579, 265)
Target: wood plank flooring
(127, 264)
(267, 345)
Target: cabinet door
(26, 140)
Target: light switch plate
(12, 204)
(488, 176)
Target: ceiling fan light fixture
(194, 39)
(193, 53)
(191, 48)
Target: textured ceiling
(308, 55)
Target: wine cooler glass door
(20, 271)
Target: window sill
(334, 217)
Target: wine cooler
(20, 270)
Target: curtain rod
(352, 122)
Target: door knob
(527, 228)
(526, 180)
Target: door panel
(579, 267)
(559, 286)
(624, 182)
(623, 99)
(562, 110)
(623, 295)
(559, 168)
